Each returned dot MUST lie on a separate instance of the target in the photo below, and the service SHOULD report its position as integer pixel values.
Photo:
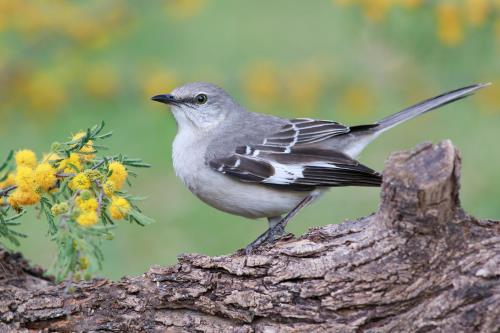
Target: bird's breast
(188, 158)
(223, 192)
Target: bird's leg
(277, 224)
(281, 225)
(275, 230)
(268, 236)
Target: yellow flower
(450, 29)
(45, 176)
(87, 219)
(109, 188)
(84, 263)
(89, 205)
(87, 149)
(118, 174)
(80, 182)
(25, 179)
(23, 197)
(60, 208)
(69, 164)
(50, 157)
(9, 181)
(119, 208)
(93, 174)
(26, 158)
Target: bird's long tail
(425, 106)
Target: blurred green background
(66, 65)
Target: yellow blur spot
(345, 2)
(159, 83)
(184, 9)
(303, 88)
(476, 11)
(261, 82)
(489, 98)
(411, 4)
(497, 29)
(375, 10)
(450, 27)
(357, 100)
(45, 92)
(101, 82)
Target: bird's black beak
(165, 98)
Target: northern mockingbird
(257, 165)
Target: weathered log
(419, 264)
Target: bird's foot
(269, 236)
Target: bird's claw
(269, 236)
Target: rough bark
(419, 264)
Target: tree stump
(419, 264)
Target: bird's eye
(201, 98)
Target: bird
(263, 166)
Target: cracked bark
(419, 264)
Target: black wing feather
(302, 168)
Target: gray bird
(257, 165)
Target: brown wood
(419, 264)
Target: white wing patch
(284, 174)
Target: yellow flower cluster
(9, 181)
(26, 158)
(87, 151)
(45, 176)
(60, 208)
(116, 179)
(88, 211)
(70, 164)
(30, 178)
(87, 219)
(80, 182)
(119, 208)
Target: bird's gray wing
(295, 168)
(305, 131)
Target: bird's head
(199, 104)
